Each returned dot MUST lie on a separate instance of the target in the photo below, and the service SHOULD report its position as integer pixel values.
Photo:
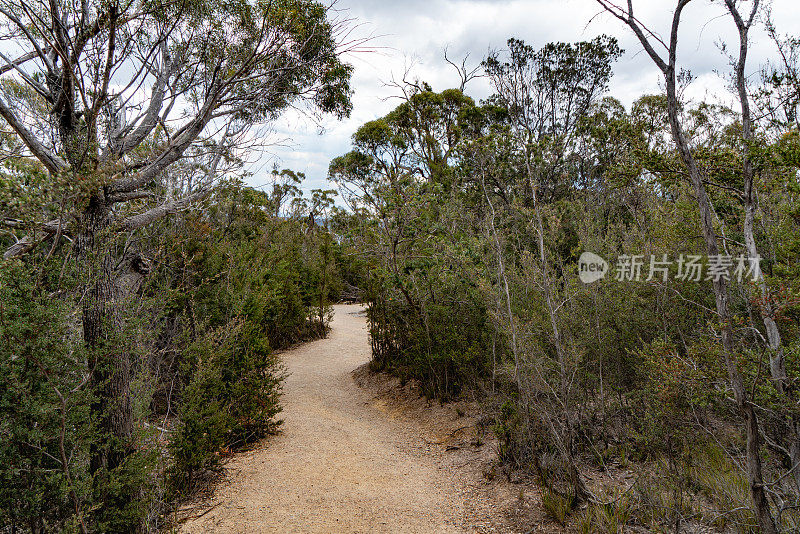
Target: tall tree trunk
(752, 435)
(777, 360)
(777, 363)
(109, 365)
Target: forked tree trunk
(777, 363)
(777, 359)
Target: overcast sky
(414, 33)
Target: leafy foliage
(470, 218)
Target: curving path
(340, 465)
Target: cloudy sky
(413, 34)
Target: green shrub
(447, 348)
(231, 399)
(224, 287)
(40, 363)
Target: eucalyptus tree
(546, 93)
(398, 161)
(667, 62)
(117, 101)
(778, 99)
(402, 174)
(784, 84)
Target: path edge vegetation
(139, 345)
(470, 218)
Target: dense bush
(471, 218)
(231, 398)
(221, 289)
(444, 354)
(41, 416)
(46, 429)
(244, 283)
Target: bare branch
(152, 215)
(51, 161)
(39, 52)
(28, 243)
(133, 195)
(464, 73)
(151, 116)
(30, 81)
(642, 31)
(24, 58)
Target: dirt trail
(340, 464)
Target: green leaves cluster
(471, 218)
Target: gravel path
(340, 465)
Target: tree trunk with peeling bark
(777, 359)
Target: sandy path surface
(340, 464)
